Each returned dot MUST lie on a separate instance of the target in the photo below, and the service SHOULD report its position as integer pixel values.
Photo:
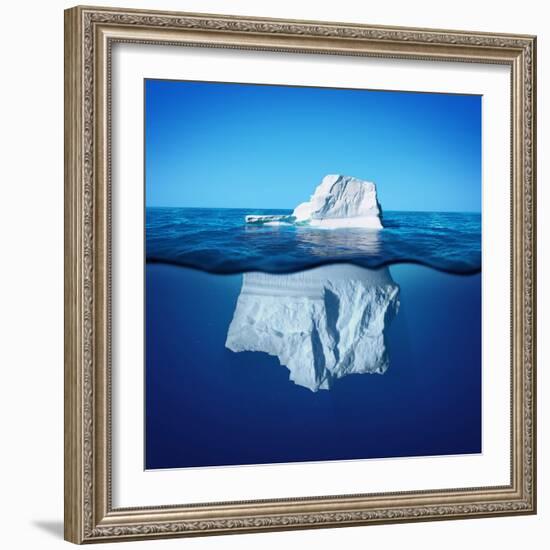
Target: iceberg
(322, 324)
(341, 201)
(273, 219)
(338, 201)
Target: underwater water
(417, 394)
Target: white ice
(338, 201)
(322, 324)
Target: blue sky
(251, 146)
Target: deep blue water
(218, 241)
(206, 405)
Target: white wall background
(31, 281)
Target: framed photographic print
(300, 274)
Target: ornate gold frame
(89, 35)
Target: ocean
(218, 241)
(409, 296)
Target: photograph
(313, 277)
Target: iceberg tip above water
(338, 201)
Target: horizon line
(275, 208)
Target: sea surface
(209, 406)
(219, 241)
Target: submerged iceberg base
(322, 324)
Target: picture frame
(90, 36)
